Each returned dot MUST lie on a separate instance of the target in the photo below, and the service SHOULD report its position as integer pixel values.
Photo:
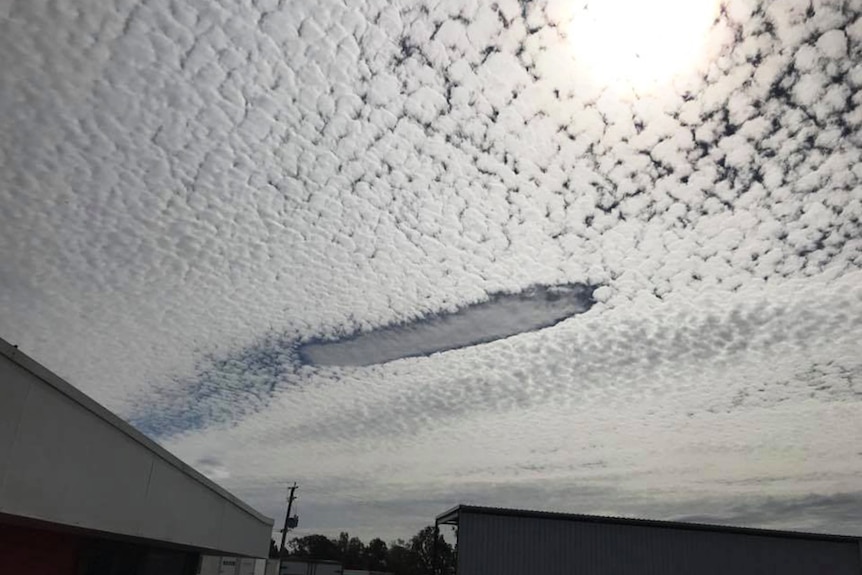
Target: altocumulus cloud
(193, 192)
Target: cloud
(825, 513)
(223, 389)
(190, 192)
(501, 316)
(212, 468)
(227, 388)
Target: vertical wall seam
(146, 492)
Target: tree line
(415, 556)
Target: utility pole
(287, 518)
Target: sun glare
(640, 44)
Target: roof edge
(27, 363)
(453, 514)
(448, 516)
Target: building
(232, 565)
(506, 541)
(291, 567)
(84, 493)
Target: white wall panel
(70, 467)
(67, 460)
(177, 508)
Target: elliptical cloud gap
(257, 371)
(502, 315)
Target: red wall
(26, 551)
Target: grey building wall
(67, 460)
(505, 545)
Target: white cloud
(187, 189)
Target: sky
(540, 255)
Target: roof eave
(449, 517)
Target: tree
(315, 547)
(430, 548)
(343, 542)
(352, 551)
(402, 559)
(376, 555)
(414, 557)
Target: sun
(639, 45)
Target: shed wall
(66, 460)
(506, 545)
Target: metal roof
(451, 516)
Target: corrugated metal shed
(503, 541)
